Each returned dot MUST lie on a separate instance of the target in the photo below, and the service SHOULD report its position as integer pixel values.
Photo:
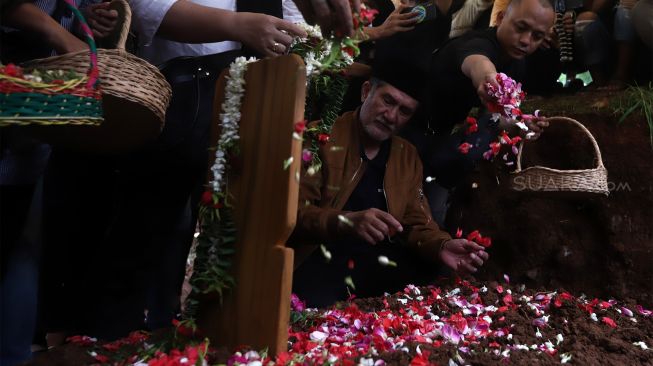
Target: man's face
(523, 28)
(385, 110)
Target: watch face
(421, 11)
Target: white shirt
(147, 16)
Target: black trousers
(121, 227)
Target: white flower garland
(229, 118)
(316, 61)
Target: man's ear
(500, 16)
(365, 90)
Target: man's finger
(344, 22)
(356, 5)
(465, 266)
(106, 22)
(97, 34)
(478, 261)
(380, 226)
(97, 26)
(367, 238)
(373, 233)
(534, 127)
(107, 14)
(292, 29)
(482, 254)
(471, 246)
(390, 221)
(406, 22)
(283, 39)
(408, 15)
(268, 52)
(323, 15)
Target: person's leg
(20, 268)
(593, 44)
(643, 21)
(448, 167)
(182, 171)
(624, 34)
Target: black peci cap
(403, 71)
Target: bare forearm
(192, 23)
(29, 18)
(372, 33)
(477, 68)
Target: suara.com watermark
(550, 184)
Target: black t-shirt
(453, 94)
(369, 191)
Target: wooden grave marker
(256, 311)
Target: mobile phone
(425, 10)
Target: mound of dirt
(601, 246)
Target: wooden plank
(256, 312)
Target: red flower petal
(609, 322)
(300, 126)
(323, 138)
(464, 147)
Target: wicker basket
(135, 97)
(543, 179)
(63, 98)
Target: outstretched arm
(187, 22)
(480, 70)
(192, 23)
(395, 23)
(28, 17)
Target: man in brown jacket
(365, 206)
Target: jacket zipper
(387, 206)
(337, 200)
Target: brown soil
(591, 244)
(589, 342)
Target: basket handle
(93, 71)
(124, 13)
(579, 125)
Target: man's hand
(537, 126)
(463, 255)
(331, 15)
(371, 225)
(395, 23)
(266, 34)
(101, 19)
(482, 89)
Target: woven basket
(135, 97)
(75, 101)
(543, 179)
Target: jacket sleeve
(422, 233)
(316, 224)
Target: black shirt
(369, 191)
(453, 94)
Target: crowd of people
(89, 243)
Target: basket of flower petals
(135, 96)
(57, 96)
(545, 179)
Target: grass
(637, 99)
